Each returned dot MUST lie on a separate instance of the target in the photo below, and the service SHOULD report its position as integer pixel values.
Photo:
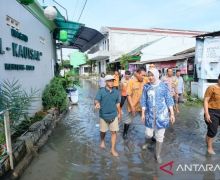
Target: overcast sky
(203, 15)
(178, 14)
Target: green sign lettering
(25, 52)
(19, 67)
(19, 35)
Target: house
(153, 43)
(207, 62)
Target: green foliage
(17, 100)
(193, 101)
(110, 68)
(124, 61)
(2, 137)
(66, 64)
(27, 122)
(54, 95)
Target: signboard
(207, 59)
(20, 51)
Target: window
(86, 69)
(12, 22)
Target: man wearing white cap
(108, 102)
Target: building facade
(207, 62)
(27, 48)
(153, 44)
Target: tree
(124, 61)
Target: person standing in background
(102, 80)
(124, 84)
(116, 81)
(180, 89)
(172, 83)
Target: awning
(79, 36)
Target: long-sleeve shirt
(101, 82)
(156, 102)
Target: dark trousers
(123, 99)
(213, 126)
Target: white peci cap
(109, 77)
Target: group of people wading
(153, 99)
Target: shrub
(55, 95)
(2, 137)
(16, 99)
(27, 122)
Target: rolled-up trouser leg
(159, 134)
(148, 135)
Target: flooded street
(73, 152)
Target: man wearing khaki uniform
(134, 92)
(108, 101)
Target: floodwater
(73, 152)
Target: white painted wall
(34, 29)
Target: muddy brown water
(72, 151)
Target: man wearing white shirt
(180, 89)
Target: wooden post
(8, 138)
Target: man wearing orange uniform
(116, 81)
(124, 85)
(212, 113)
(134, 92)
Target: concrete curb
(27, 146)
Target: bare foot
(211, 151)
(114, 153)
(102, 145)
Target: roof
(167, 47)
(139, 48)
(216, 33)
(171, 58)
(160, 30)
(79, 36)
(190, 50)
(83, 38)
